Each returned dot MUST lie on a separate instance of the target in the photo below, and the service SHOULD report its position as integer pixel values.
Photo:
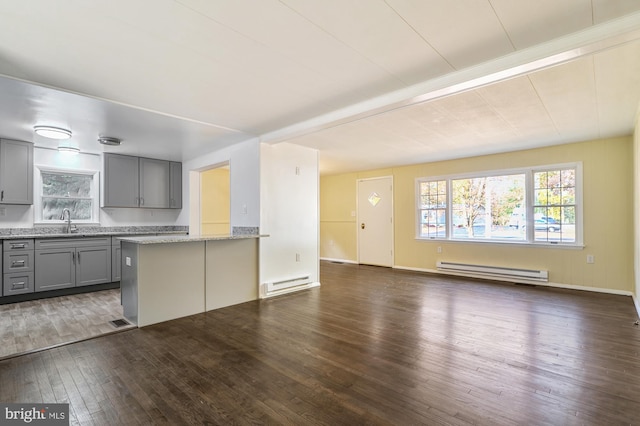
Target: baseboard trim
(636, 302)
(329, 259)
(545, 284)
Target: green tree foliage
(469, 200)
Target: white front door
(375, 221)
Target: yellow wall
(607, 202)
(337, 217)
(215, 201)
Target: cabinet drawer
(18, 261)
(13, 245)
(18, 283)
(54, 243)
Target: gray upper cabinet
(154, 183)
(141, 182)
(175, 188)
(16, 172)
(121, 187)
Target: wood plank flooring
(370, 346)
(37, 324)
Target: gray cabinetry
(154, 183)
(141, 182)
(72, 262)
(18, 261)
(175, 185)
(93, 265)
(55, 268)
(16, 172)
(116, 259)
(121, 187)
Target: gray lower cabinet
(63, 263)
(93, 265)
(116, 259)
(55, 268)
(17, 262)
(17, 283)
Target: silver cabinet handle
(2, 195)
(73, 257)
(78, 257)
(141, 201)
(18, 246)
(17, 262)
(22, 284)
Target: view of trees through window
(495, 207)
(66, 190)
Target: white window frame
(95, 195)
(529, 199)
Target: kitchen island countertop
(162, 239)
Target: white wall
(22, 216)
(289, 212)
(244, 169)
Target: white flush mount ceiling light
(52, 132)
(106, 140)
(68, 150)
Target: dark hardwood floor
(370, 346)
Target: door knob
(362, 225)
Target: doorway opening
(215, 200)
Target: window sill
(60, 223)
(568, 246)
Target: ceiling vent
(105, 140)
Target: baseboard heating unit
(286, 285)
(497, 272)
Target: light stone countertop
(85, 234)
(163, 239)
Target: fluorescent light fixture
(69, 150)
(52, 132)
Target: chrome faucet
(68, 212)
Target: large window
(530, 205)
(57, 190)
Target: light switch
(127, 261)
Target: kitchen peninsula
(168, 277)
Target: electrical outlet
(439, 249)
(591, 258)
(297, 257)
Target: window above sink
(57, 189)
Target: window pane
(484, 208)
(554, 212)
(433, 209)
(66, 185)
(52, 208)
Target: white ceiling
(176, 79)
